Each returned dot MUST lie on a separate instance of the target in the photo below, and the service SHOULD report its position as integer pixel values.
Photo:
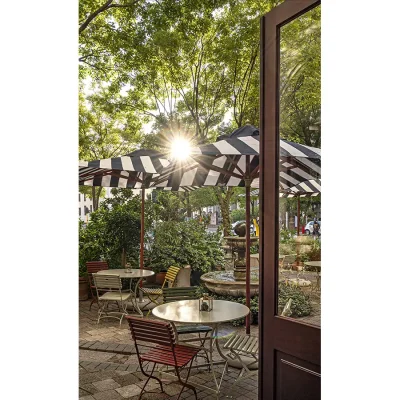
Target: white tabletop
(136, 273)
(187, 311)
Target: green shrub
(241, 300)
(301, 305)
(111, 229)
(184, 243)
(238, 215)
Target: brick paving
(108, 366)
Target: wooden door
(290, 346)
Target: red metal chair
(159, 339)
(92, 268)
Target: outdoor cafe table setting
(132, 274)
(189, 312)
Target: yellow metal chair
(154, 293)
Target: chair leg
(94, 300)
(185, 384)
(149, 376)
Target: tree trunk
(96, 197)
(224, 202)
(188, 206)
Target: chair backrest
(109, 282)
(93, 267)
(171, 276)
(179, 293)
(153, 332)
(96, 266)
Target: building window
(79, 211)
(84, 197)
(79, 197)
(91, 209)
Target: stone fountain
(233, 283)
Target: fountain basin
(224, 283)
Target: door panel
(296, 379)
(290, 345)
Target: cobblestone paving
(110, 371)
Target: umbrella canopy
(304, 189)
(224, 163)
(133, 170)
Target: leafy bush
(238, 215)
(241, 300)
(255, 249)
(301, 305)
(184, 243)
(111, 229)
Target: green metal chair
(187, 293)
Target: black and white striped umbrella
(131, 171)
(223, 163)
(309, 188)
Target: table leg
(135, 302)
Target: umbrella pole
(142, 231)
(247, 181)
(298, 231)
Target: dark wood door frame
(277, 334)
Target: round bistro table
(317, 266)
(138, 274)
(188, 312)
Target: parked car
(309, 229)
(238, 222)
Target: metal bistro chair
(112, 286)
(240, 346)
(158, 337)
(187, 293)
(93, 267)
(154, 293)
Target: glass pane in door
(300, 232)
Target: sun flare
(180, 149)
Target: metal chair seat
(114, 296)
(244, 346)
(164, 355)
(151, 290)
(193, 329)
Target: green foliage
(203, 197)
(287, 235)
(255, 249)
(112, 229)
(300, 79)
(241, 300)
(301, 305)
(184, 243)
(238, 214)
(168, 206)
(314, 254)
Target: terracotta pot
(83, 288)
(150, 280)
(160, 277)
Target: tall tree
(104, 132)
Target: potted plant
(83, 284)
